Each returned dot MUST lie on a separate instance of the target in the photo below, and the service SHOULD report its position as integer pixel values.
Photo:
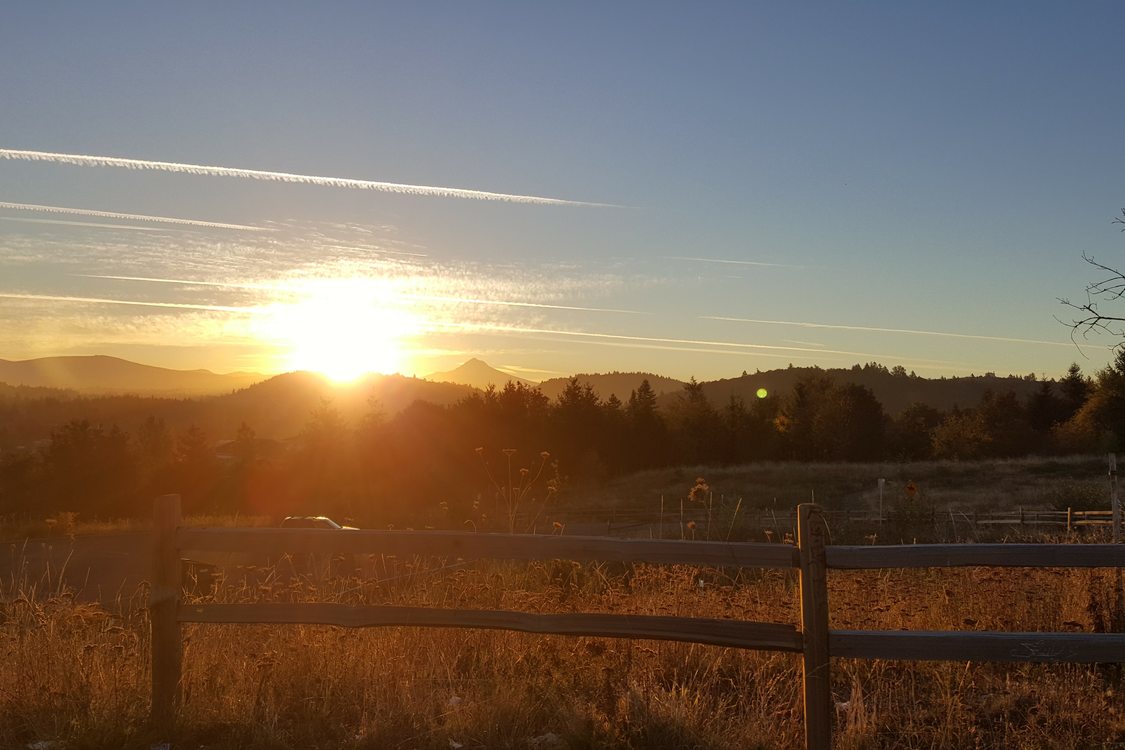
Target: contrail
(510, 303)
(128, 217)
(978, 337)
(136, 303)
(66, 223)
(185, 282)
(493, 328)
(758, 263)
(82, 160)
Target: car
(312, 522)
(316, 565)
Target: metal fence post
(814, 626)
(164, 605)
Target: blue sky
(928, 168)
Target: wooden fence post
(164, 605)
(814, 626)
(1114, 498)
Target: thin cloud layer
(873, 329)
(85, 160)
(127, 217)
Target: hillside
(280, 406)
(895, 392)
(276, 408)
(620, 384)
(102, 374)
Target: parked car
(320, 566)
(312, 522)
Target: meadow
(75, 674)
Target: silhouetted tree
(156, 457)
(91, 470)
(696, 426)
(850, 424)
(1074, 389)
(796, 420)
(961, 435)
(646, 429)
(196, 471)
(910, 433)
(21, 483)
(577, 437)
(750, 433)
(1103, 414)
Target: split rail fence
(811, 557)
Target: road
(96, 568)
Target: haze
(658, 187)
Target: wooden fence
(811, 557)
(670, 522)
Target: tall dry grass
(77, 675)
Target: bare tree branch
(1090, 320)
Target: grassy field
(75, 675)
(1034, 482)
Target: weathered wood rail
(781, 522)
(810, 557)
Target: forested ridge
(388, 455)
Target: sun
(342, 328)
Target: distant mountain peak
(477, 373)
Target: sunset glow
(342, 328)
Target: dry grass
(77, 674)
(69, 524)
(1033, 482)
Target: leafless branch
(1089, 319)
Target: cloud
(838, 327)
(128, 217)
(83, 160)
(289, 286)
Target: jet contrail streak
(491, 328)
(185, 282)
(136, 303)
(509, 303)
(83, 160)
(128, 217)
(888, 330)
(759, 263)
(66, 223)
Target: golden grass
(78, 675)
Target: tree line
(463, 463)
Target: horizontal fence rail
(1082, 648)
(871, 557)
(736, 633)
(786, 520)
(470, 545)
(811, 557)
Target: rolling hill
(620, 384)
(102, 374)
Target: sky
(695, 190)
